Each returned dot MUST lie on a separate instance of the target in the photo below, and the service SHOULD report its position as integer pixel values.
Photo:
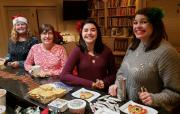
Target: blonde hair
(14, 35)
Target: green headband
(155, 14)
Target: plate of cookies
(86, 94)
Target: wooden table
(178, 49)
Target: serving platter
(49, 92)
(124, 108)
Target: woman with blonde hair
(20, 43)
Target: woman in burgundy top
(94, 61)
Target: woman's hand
(38, 72)
(145, 96)
(99, 84)
(14, 64)
(113, 90)
(44, 73)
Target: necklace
(92, 58)
(93, 61)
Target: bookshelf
(113, 15)
(120, 16)
(96, 9)
(115, 19)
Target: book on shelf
(119, 22)
(91, 4)
(120, 3)
(131, 2)
(100, 4)
(101, 22)
(114, 3)
(100, 13)
(121, 11)
(121, 31)
(117, 31)
(102, 31)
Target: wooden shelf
(119, 53)
(122, 37)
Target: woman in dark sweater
(94, 61)
(20, 43)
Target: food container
(58, 105)
(77, 106)
(2, 61)
(2, 109)
(3, 97)
(35, 70)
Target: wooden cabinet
(35, 15)
(120, 46)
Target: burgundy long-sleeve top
(89, 68)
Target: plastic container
(35, 70)
(3, 97)
(77, 106)
(58, 105)
(2, 109)
(2, 61)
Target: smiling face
(47, 37)
(142, 28)
(21, 27)
(89, 33)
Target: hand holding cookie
(14, 64)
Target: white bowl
(77, 106)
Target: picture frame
(117, 31)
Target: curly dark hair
(154, 16)
(99, 46)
